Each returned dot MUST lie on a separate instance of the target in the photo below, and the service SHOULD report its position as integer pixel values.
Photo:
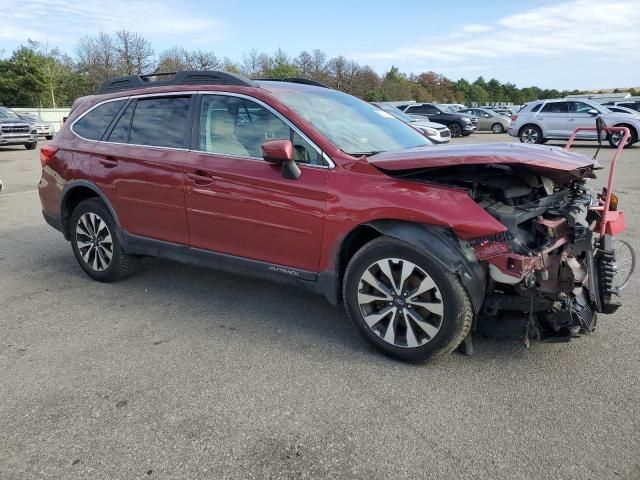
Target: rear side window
(160, 122)
(94, 123)
(536, 108)
(555, 107)
(122, 129)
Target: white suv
(544, 120)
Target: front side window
(93, 125)
(238, 126)
(160, 122)
(555, 107)
(580, 107)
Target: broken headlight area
(550, 272)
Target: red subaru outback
(302, 184)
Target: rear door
(139, 166)
(552, 117)
(237, 203)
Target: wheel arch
(632, 129)
(452, 254)
(76, 192)
(530, 124)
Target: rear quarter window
(93, 124)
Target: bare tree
(304, 64)
(173, 59)
(202, 60)
(250, 63)
(134, 53)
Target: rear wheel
(455, 129)
(405, 303)
(530, 134)
(95, 243)
(497, 128)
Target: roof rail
(304, 81)
(190, 77)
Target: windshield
(353, 125)
(6, 114)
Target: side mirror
(593, 111)
(281, 152)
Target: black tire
(456, 129)
(31, 146)
(633, 139)
(120, 265)
(530, 134)
(455, 321)
(497, 128)
(49, 137)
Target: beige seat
(223, 137)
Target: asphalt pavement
(181, 372)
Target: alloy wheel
(497, 128)
(94, 241)
(616, 138)
(529, 135)
(400, 302)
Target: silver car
(544, 120)
(436, 132)
(488, 120)
(44, 129)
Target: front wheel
(455, 129)
(96, 245)
(49, 137)
(404, 302)
(30, 146)
(616, 137)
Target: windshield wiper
(366, 154)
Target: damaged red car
(301, 184)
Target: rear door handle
(200, 177)
(108, 162)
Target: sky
(581, 44)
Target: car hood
(15, 123)
(425, 123)
(552, 162)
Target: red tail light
(514, 117)
(46, 154)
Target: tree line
(36, 75)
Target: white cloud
(580, 30)
(62, 22)
(476, 28)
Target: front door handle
(200, 177)
(108, 162)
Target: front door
(579, 116)
(240, 205)
(140, 167)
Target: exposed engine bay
(550, 272)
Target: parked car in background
(459, 124)
(619, 109)
(313, 187)
(454, 106)
(556, 119)
(16, 131)
(435, 132)
(488, 120)
(44, 129)
(634, 105)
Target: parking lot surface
(181, 372)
